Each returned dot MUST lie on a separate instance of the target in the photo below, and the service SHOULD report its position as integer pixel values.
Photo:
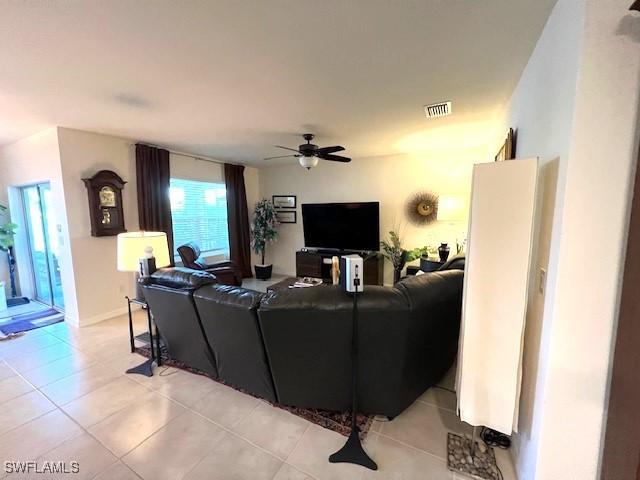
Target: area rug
(337, 421)
(15, 301)
(29, 321)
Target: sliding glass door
(44, 248)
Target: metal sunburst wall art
(422, 208)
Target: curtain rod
(204, 158)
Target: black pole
(352, 451)
(12, 271)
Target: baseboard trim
(105, 316)
(68, 318)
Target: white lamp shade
(132, 245)
(450, 208)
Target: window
(199, 214)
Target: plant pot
(397, 269)
(397, 274)
(263, 272)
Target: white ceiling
(229, 79)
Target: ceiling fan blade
(287, 148)
(326, 150)
(280, 156)
(334, 158)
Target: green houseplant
(263, 231)
(398, 256)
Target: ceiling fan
(308, 154)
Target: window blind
(199, 214)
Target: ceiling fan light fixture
(308, 162)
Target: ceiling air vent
(438, 110)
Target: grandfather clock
(105, 203)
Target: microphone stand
(352, 451)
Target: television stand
(317, 264)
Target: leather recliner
(230, 321)
(169, 293)
(226, 272)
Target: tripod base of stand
(352, 452)
(145, 368)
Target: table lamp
(450, 208)
(451, 211)
(142, 252)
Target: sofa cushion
(307, 334)
(181, 277)
(432, 287)
(455, 263)
(230, 322)
(175, 314)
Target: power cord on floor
(164, 370)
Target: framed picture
(284, 201)
(508, 149)
(286, 216)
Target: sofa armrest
(181, 277)
(227, 273)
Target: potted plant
(7, 231)
(263, 231)
(398, 256)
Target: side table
(145, 368)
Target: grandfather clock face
(105, 203)
(107, 196)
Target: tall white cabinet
(501, 228)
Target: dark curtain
(154, 204)
(238, 218)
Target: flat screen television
(342, 226)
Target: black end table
(145, 368)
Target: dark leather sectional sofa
(293, 346)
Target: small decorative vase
(443, 252)
(335, 270)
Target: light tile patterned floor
(64, 397)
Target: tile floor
(64, 397)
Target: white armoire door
(501, 226)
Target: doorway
(43, 244)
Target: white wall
(597, 196)
(36, 159)
(576, 107)
(541, 109)
(436, 163)
(100, 287)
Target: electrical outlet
(542, 281)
